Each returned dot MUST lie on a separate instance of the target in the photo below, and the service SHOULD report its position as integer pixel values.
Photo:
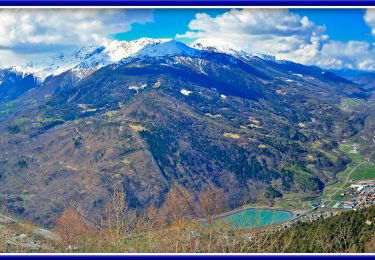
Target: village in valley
(362, 194)
(354, 190)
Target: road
(346, 180)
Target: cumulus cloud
(272, 31)
(27, 35)
(370, 19)
(283, 34)
(65, 26)
(350, 55)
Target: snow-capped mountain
(13, 84)
(117, 50)
(168, 48)
(122, 51)
(113, 52)
(85, 60)
(230, 51)
(50, 65)
(233, 52)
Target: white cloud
(370, 19)
(349, 55)
(272, 31)
(27, 35)
(283, 34)
(65, 26)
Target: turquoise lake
(250, 218)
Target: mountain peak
(167, 48)
(117, 50)
(113, 52)
(85, 60)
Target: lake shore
(252, 217)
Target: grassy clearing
(293, 204)
(137, 128)
(111, 114)
(332, 193)
(364, 172)
(331, 156)
(10, 103)
(358, 169)
(352, 102)
(11, 106)
(355, 156)
(7, 108)
(232, 135)
(294, 201)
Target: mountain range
(142, 115)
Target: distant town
(362, 194)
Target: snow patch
(185, 92)
(138, 88)
(238, 53)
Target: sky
(337, 22)
(329, 38)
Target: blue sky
(330, 38)
(166, 24)
(341, 24)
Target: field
(358, 169)
(295, 201)
(349, 103)
(364, 172)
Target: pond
(250, 218)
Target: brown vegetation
(187, 224)
(73, 229)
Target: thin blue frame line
(188, 3)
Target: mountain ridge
(93, 57)
(169, 113)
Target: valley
(187, 130)
(267, 133)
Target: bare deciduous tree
(120, 220)
(178, 205)
(212, 202)
(73, 229)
